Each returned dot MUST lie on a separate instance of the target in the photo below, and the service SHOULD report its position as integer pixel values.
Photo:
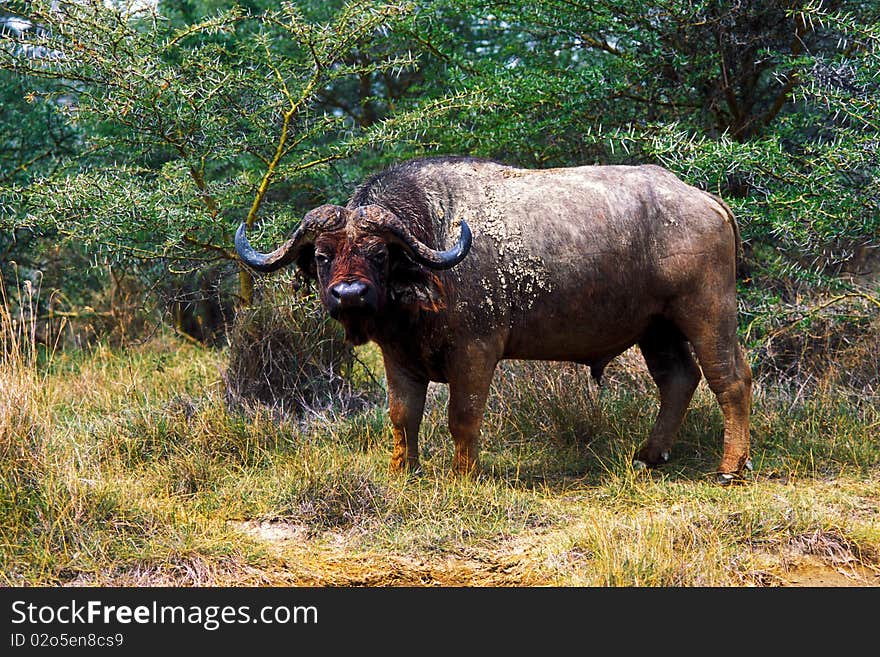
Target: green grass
(126, 467)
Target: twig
(226, 253)
(271, 167)
(189, 338)
(816, 309)
(367, 370)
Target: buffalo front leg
(406, 403)
(673, 369)
(468, 391)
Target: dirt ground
(297, 560)
(508, 566)
(812, 572)
(340, 567)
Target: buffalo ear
(412, 285)
(426, 296)
(305, 262)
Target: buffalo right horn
(325, 217)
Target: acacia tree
(189, 128)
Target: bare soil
(337, 565)
(511, 565)
(813, 572)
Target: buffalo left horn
(379, 220)
(325, 217)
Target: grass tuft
(287, 355)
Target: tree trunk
(245, 287)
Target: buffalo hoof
(638, 465)
(729, 478)
(644, 464)
(406, 469)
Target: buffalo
(451, 264)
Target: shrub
(287, 354)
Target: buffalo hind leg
(713, 336)
(732, 385)
(673, 369)
(469, 384)
(406, 403)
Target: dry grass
(125, 467)
(287, 355)
(20, 433)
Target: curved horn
(325, 217)
(379, 220)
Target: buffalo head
(353, 254)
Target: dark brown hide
(574, 264)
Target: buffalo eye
(323, 258)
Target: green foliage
(166, 127)
(185, 126)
